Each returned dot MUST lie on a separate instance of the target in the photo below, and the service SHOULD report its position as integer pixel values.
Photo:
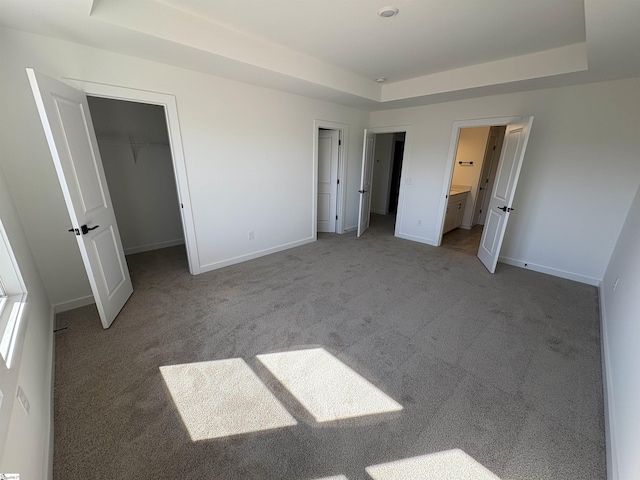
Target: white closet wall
(135, 152)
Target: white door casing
(65, 116)
(328, 144)
(501, 203)
(168, 103)
(365, 181)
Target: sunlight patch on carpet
(223, 397)
(447, 465)
(326, 387)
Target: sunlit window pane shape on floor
(223, 397)
(447, 465)
(326, 387)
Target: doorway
(136, 156)
(500, 204)
(64, 114)
(475, 166)
(330, 142)
(380, 194)
(385, 187)
(328, 154)
(168, 102)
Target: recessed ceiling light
(388, 12)
(381, 79)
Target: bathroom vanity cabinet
(455, 211)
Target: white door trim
(169, 103)
(343, 150)
(451, 158)
(405, 155)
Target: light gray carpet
(504, 367)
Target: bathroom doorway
(474, 171)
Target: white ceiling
(432, 51)
(427, 36)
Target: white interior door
(500, 205)
(365, 181)
(328, 144)
(66, 120)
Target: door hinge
(339, 142)
(181, 205)
(336, 217)
(494, 147)
(338, 181)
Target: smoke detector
(388, 12)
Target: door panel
(84, 174)
(328, 144)
(505, 174)
(366, 181)
(66, 120)
(500, 205)
(492, 227)
(105, 245)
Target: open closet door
(66, 120)
(365, 181)
(501, 204)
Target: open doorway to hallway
(475, 167)
(385, 189)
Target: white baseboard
(71, 304)
(612, 463)
(414, 238)
(351, 229)
(379, 212)
(154, 246)
(551, 271)
(48, 442)
(250, 256)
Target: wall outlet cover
(23, 399)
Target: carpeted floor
(504, 367)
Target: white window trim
(13, 296)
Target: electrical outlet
(251, 235)
(23, 400)
(419, 222)
(615, 284)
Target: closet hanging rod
(130, 141)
